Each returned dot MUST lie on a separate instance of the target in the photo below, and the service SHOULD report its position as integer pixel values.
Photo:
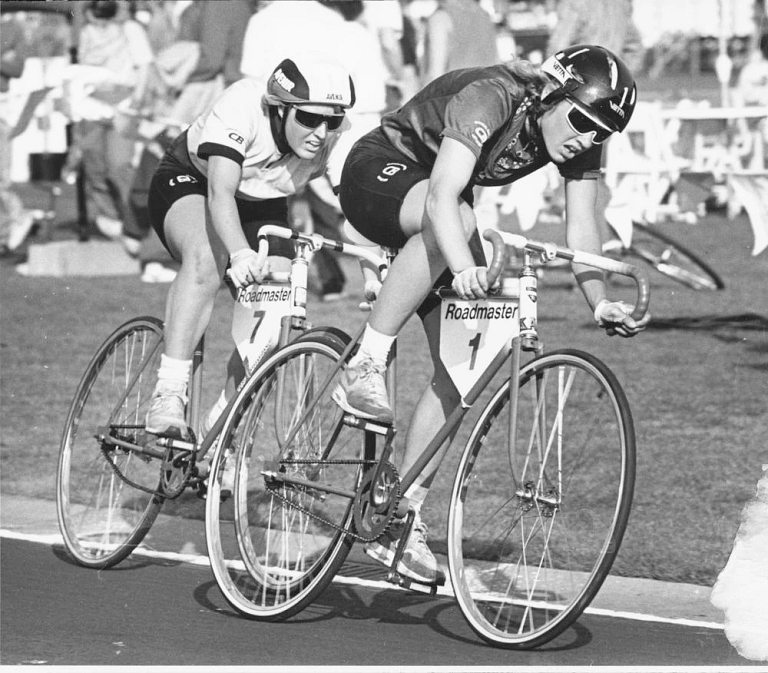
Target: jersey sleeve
(475, 113)
(232, 125)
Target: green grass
(699, 396)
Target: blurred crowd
(136, 72)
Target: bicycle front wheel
(105, 491)
(672, 259)
(278, 542)
(534, 525)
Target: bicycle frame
(528, 340)
(297, 280)
(526, 290)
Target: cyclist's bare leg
(189, 304)
(203, 258)
(438, 400)
(416, 266)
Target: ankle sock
(173, 375)
(373, 345)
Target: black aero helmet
(597, 79)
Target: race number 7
(258, 317)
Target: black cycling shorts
(374, 182)
(177, 177)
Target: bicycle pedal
(411, 584)
(379, 427)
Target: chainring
(176, 472)
(376, 501)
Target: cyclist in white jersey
(228, 174)
(408, 184)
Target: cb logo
(237, 138)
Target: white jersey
(238, 127)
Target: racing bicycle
(541, 495)
(113, 476)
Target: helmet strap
(277, 126)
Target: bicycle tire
(105, 495)
(269, 557)
(532, 535)
(672, 259)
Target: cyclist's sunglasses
(583, 124)
(311, 120)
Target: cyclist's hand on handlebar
(615, 318)
(245, 268)
(372, 289)
(472, 283)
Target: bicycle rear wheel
(278, 542)
(106, 493)
(672, 259)
(534, 530)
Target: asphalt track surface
(161, 607)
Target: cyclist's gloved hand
(245, 268)
(615, 317)
(471, 283)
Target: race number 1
(472, 333)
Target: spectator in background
(752, 83)
(459, 34)
(118, 46)
(384, 19)
(15, 222)
(605, 22)
(219, 28)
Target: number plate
(256, 319)
(472, 333)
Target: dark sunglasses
(584, 125)
(311, 120)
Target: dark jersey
(478, 107)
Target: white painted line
(200, 560)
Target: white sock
(416, 495)
(373, 345)
(173, 374)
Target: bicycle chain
(335, 526)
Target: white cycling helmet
(310, 82)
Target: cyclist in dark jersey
(408, 184)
